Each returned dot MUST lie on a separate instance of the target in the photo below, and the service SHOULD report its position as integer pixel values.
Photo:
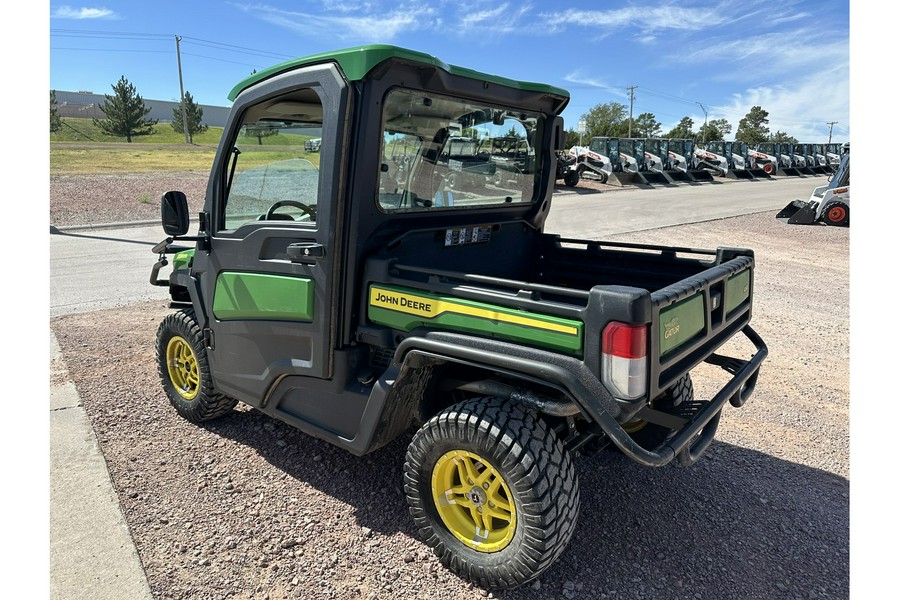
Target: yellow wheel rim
(183, 371)
(473, 501)
(634, 426)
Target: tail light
(623, 364)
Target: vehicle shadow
(737, 524)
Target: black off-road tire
(680, 395)
(572, 178)
(184, 369)
(528, 459)
(836, 214)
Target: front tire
(836, 214)
(184, 369)
(492, 491)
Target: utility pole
(630, 89)
(831, 125)
(184, 115)
(705, 118)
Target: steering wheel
(308, 210)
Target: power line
(253, 50)
(256, 66)
(158, 37)
(111, 50)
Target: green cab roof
(356, 63)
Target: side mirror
(558, 132)
(175, 219)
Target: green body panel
(681, 322)
(406, 309)
(737, 290)
(358, 61)
(182, 259)
(261, 296)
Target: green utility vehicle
(357, 295)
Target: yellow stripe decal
(431, 307)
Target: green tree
(646, 126)
(55, 119)
(714, 130)
(194, 118)
(606, 120)
(783, 138)
(125, 113)
(259, 131)
(684, 130)
(752, 128)
(573, 138)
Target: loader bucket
(739, 174)
(621, 179)
(701, 175)
(679, 176)
(790, 172)
(760, 174)
(798, 212)
(652, 177)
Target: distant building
(87, 105)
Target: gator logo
(671, 327)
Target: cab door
(267, 280)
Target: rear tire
(836, 214)
(184, 369)
(492, 491)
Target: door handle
(305, 252)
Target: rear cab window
(443, 153)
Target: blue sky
(791, 57)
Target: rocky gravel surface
(80, 200)
(77, 200)
(247, 507)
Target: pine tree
(55, 119)
(752, 128)
(194, 118)
(125, 113)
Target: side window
(273, 174)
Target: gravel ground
(247, 507)
(121, 198)
(77, 200)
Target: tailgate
(692, 318)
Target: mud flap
(798, 212)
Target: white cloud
(498, 20)
(647, 19)
(801, 108)
(67, 12)
(382, 27)
(579, 78)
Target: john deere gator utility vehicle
(356, 295)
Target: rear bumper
(695, 436)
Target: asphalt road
(93, 269)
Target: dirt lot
(246, 507)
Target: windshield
(441, 153)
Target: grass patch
(92, 161)
(82, 148)
(84, 130)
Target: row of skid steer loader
(829, 204)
